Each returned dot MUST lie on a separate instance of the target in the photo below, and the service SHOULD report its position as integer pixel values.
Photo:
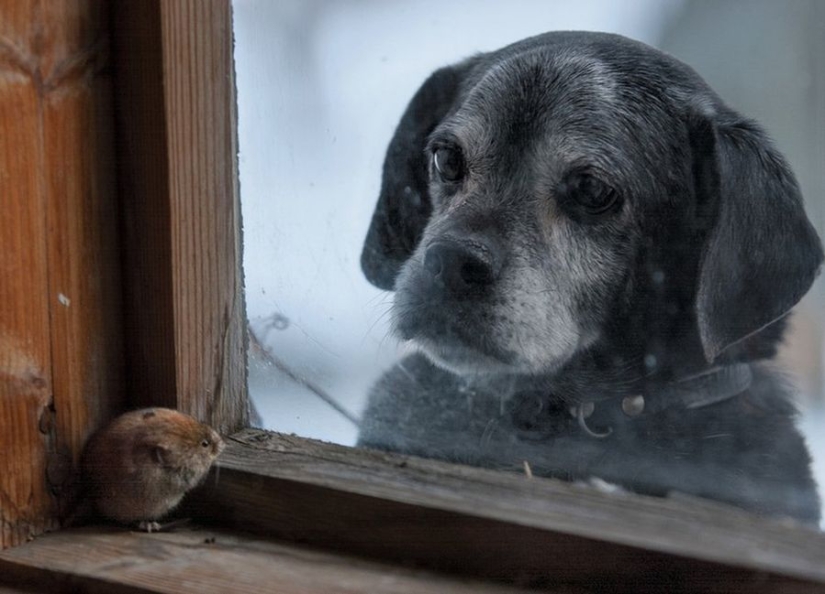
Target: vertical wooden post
(205, 209)
(60, 335)
(178, 179)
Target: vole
(138, 468)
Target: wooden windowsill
(201, 560)
(497, 525)
(388, 511)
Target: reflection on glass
(588, 255)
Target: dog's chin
(468, 361)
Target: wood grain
(202, 133)
(203, 561)
(502, 526)
(178, 178)
(60, 337)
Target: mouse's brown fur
(139, 467)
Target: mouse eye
(587, 194)
(449, 163)
(206, 443)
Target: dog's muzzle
(463, 268)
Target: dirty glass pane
(578, 259)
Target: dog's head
(580, 188)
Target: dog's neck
(547, 410)
(695, 391)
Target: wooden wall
(60, 307)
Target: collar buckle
(708, 387)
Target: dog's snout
(462, 268)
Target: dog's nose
(463, 268)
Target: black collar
(535, 417)
(708, 387)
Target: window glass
(573, 194)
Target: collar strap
(708, 387)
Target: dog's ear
(404, 206)
(761, 254)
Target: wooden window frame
(183, 324)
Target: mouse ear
(404, 206)
(159, 454)
(762, 254)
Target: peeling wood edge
(498, 525)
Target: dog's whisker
(385, 339)
(379, 319)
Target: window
(322, 88)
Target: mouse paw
(147, 526)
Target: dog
(594, 257)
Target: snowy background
(321, 86)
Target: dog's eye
(588, 193)
(449, 163)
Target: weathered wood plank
(203, 176)
(25, 358)
(178, 177)
(60, 347)
(83, 231)
(499, 525)
(203, 561)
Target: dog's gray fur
(705, 250)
